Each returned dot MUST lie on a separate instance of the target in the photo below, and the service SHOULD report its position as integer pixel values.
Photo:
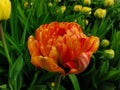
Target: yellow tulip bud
(50, 4)
(100, 13)
(31, 3)
(57, 0)
(110, 54)
(105, 43)
(87, 2)
(85, 21)
(108, 3)
(5, 9)
(25, 4)
(75, 20)
(63, 8)
(52, 84)
(86, 10)
(77, 8)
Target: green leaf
(36, 87)
(3, 87)
(111, 75)
(74, 81)
(13, 42)
(103, 68)
(107, 86)
(16, 68)
(14, 73)
(40, 8)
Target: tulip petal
(47, 64)
(91, 44)
(69, 66)
(33, 46)
(83, 61)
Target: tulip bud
(105, 43)
(86, 10)
(57, 0)
(50, 4)
(85, 21)
(87, 2)
(5, 9)
(52, 84)
(31, 3)
(75, 20)
(77, 8)
(100, 13)
(63, 8)
(110, 54)
(108, 3)
(25, 4)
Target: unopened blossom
(77, 8)
(53, 84)
(63, 8)
(25, 4)
(87, 2)
(109, 53)
(109, 3)
(57, 0)
(61, 47)
(100, 13)
(75, 20)
(86, 10)
(85, 21)
(5, 9)
(50, 4)
(105, 43)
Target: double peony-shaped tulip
(62, 48)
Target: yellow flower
(105, 43)
(77, 8)
(108, 3)
(5, 9)
(25, 4)
(63, 8)
(50, 4)
(110, 54)
(86, 10)
(52, 84)
(85, 21)
(87, 2)
(100, 13)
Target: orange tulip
(62, 48)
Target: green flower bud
(110, 54)
(105, 43)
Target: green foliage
(74, 81)
(101, 74)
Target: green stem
(34, 79)
(5, 46)
(57, 82)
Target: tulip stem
(5, 46)
(57, 81)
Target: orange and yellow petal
(33, 46)
(91, 44)
(46, 63)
